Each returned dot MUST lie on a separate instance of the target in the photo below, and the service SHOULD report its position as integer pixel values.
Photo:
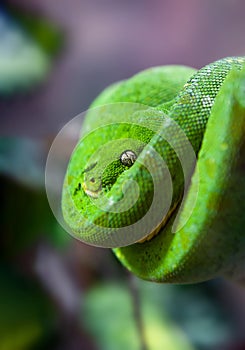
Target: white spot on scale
(229, 60)
(240, 60)
(111, 201)
(207, 101)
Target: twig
(137, 311)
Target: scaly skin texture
(209, 107)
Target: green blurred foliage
(173, 317)
(48, 36)
(27, 317)
(108, 315)
(27, 216)
(28, 46)
(27, 219)
(196, 309)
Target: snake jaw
(92, 184)
(91, 193)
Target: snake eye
(128, 158)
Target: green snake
(159, 173)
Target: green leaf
(28, 44)
(108, 316)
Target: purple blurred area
(107, 40)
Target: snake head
(92, 182)
(100, 175)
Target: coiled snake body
(159, 173)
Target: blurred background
(55, 292)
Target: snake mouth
(95, 193)
(91, 193)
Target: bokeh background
(55, 292)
